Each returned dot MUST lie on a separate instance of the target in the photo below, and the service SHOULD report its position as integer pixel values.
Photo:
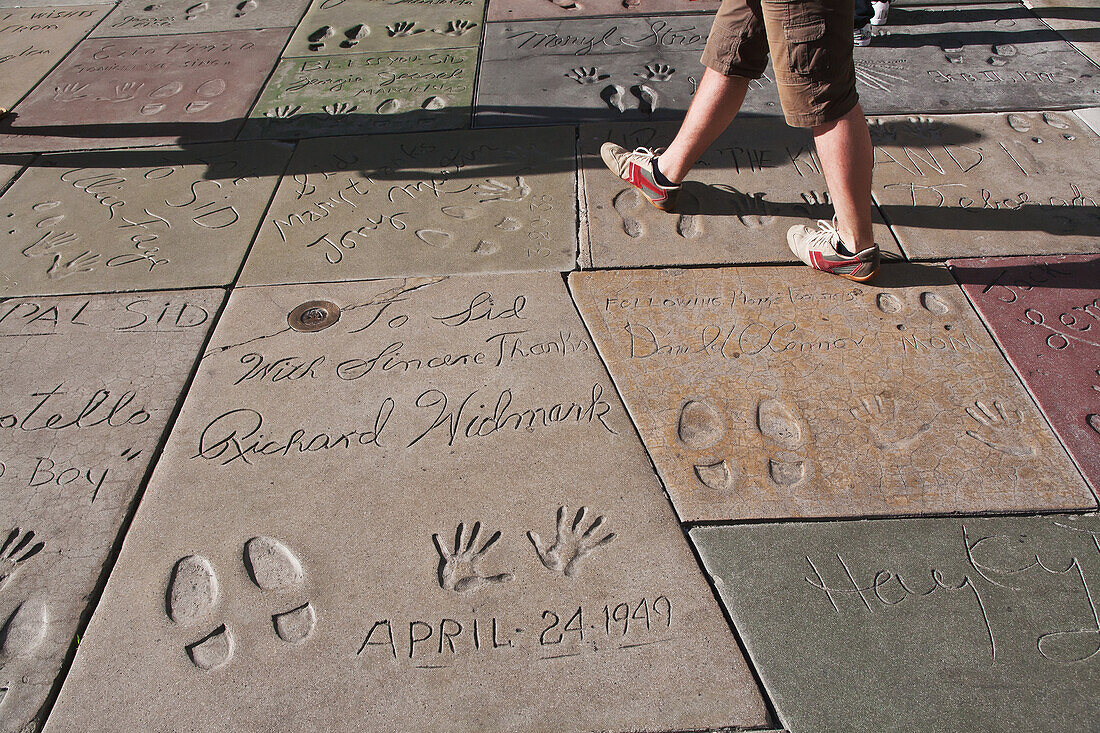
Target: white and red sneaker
(823, 250)
(636, 168)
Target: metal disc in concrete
(918, 625)
(414, 460)
(785, 392)
(605, 69)
(560, 9)
(1045, 313)
(358, 93)
(141, 18)
(89, 384)
(988, 184)
(193, 87)
(377, 26)
(751, 185)
(972, 58)
(136, 219)
(383, 206)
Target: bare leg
(844, 146)
(716, 103)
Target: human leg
(844, 146)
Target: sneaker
(636, 168)
(822, 249)
(862, 36)
(882, 9)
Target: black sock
(660, 177)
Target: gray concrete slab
(313, 473)
(559, 9)
(751, 185)
(378, 26)
(10, 165)
(89, 384)
(385, 206)
(784, 392)
(141, 18)
(623, 69)
(1091, 117)
(920, 625)
(33, 40)
(358, 93)
(136, 219)
(1078, 21)
(971, 58)
(980, 185)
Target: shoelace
(646, 152)
(826, 234)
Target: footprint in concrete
(786, 473)
(648, 98)
(272, 566)
(244, 8)
(614, 96)
(784, 427)
(953, 54)
(626, 202)
(353, 35)
(388, 106)
(700, 425)
(1094, 422)
(689, 224)
(1019, 123)
(318, 37)
(715, 476)
(434, 103)
(192, 590)
(1055, 121)
(888, 303)
(195, 10)
(934, 304)
(24, 629)
(1001, 54)
(213, 650)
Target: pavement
(345, 389)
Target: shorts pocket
(806, 49)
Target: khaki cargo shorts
(811, 48)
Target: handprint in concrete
(571, 545)
(459, 569)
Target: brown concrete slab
(141, 18)
(544, 9)
(1045, 314)
(383, 206)
(1075, 20)
(34, 39)
(89, 385)
(783, 392)
(187, 87)
(377, 26)
(997, 184)
(363, 529)
(135, 219)
(756, 181)
(948, 624)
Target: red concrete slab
(1045, 312)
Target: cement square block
(358, 93)
(774, 392)
(140, 18)
(377, 26)
(1045, 314)
(190, 87)
(750, 186)
(1091, 117)
(34, 39)
(623, 69)
(979, 185)
(384, 206)
(549, 9)
(10, 166)
(89, 385)
(1075, 20)
(971, 58)
(298, 539)
(917, 624)
(135, 219)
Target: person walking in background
(865, 13)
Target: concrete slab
(89, 384)
(971, 58)
(366, 554)
(757, 180)
(782, 392)
(1091, 117)
(625, 69)
(10, 165)
(135, 220)
(1008, 184)
(140, 18)
(1078, 21)
(1045, 313)
(33, 40)
(383, 206)
(192, 87)
(377, 26)
(390, 92)
(551, 9)
(946, 624)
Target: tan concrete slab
(355, 534)
(376, 26)
(141, 18)
(470, 201)
(135, 219)
(751, 185)
(976, 185)
(783, 392)
(547, 9)
(89, 384)
(1078, 21)
(33, 40)
(10, 165)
